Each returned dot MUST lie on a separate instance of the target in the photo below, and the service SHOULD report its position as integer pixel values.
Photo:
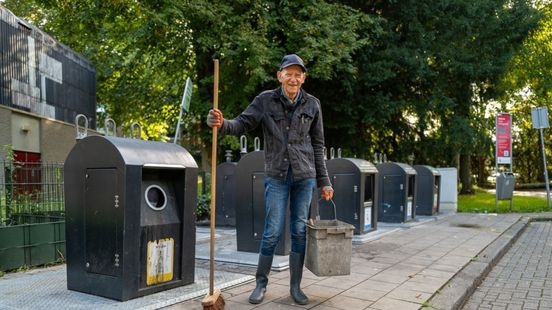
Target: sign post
(539, 117)
(186, 99)
(503, 147)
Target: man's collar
(279, 93)
(298, 97)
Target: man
(294, 165)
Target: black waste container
(428, 187)
(130, 222)
(225, 214)
(250, 206)
(397, 188)
(355, 185)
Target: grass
(484, 202)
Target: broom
(213, 300)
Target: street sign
(539, 116)
(504, 138)
(186, 99)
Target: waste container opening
(436, 193)
(411, 185)
(411, 208)
(156, 197)
(369, 190)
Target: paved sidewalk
(523, 277)
(401, 270)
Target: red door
(27, 174)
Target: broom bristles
(213, 302)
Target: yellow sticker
(160, 261)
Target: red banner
(504, 138)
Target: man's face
(291, 79)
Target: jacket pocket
(305, 121)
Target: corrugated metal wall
(42, 76)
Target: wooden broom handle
(213, 185)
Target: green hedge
(518, 186)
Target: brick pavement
(523, 277)
(401, 270)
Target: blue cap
(290, 60)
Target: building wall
(40, 75)
(25, 131)
(55, 138)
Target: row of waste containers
(364, 194)
(130, 221)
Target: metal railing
(30, 192)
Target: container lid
(136, 152)
(425, 169)
(362, 165)
(390, 166)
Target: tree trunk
(481, 171)
(465, 174)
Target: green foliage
(528, 84)
(405, 78)
(203, 206)
(531, 186)
(141, 51)
(250, 38)
(8, 151)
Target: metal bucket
(329, 247)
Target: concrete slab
(384, 229)
(398, 270)
(47, 289)
(226, 250)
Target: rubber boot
(263, 269)
(296, 262)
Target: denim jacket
(297, 141)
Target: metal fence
(31, 192)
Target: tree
(144, 50)
(406, 78)
(528, 83)
(141, 51)
(429, 76)
(250, 38)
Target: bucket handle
(333, 205)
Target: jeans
(277, 193)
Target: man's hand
(214, 118)
(327, 192)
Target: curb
(457, 290)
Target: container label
(160, 261)
(409, 209)
(367, 218)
